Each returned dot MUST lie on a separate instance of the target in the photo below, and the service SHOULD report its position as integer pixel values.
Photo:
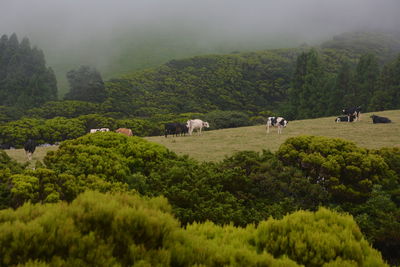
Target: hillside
(252, 81)
(124, 54)
(215, 145)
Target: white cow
(278, 122)
(196, 124)
(99, 130)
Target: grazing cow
(196, 124)
(378, 119)
(175, 128)
(99, 130)
(182, 129)
(5, 146)
(29, 148)
(278, 122)
(125, 131)
(354, 111)
(345, 118)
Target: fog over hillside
(119, 35)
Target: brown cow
(125, 131)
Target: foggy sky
(93, 32)
(70, 21)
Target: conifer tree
(343, 88)
(86, 84)
(367, 73)
(25, 81)
(387, 95)
(306, 97)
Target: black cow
(5, 146)
(345, 118)
(175, 128)
(378, 119)
(169, 128)
(354, 111)
(30, 147)
(182, 129)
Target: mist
(96, 32)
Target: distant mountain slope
(384, 45)
(124, 54)
(256, 81)
(244, 81)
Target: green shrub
(226, 119)
(314, 239)
(345, 170)
(125, 230)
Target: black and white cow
(345, 119)
(278, 122)
(354, 111)
(378, 119)
(29, 148)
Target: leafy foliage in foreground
(124, 230)
(307, 172)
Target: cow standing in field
(278, 122)
(182, 129)
(354, 111)
(378, 119)
(29, 148)
(99, 130)
(169, 129)
(175, 128)
(345, 119)
(5, 146)
(125, 131)
(196, 124)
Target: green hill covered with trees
(298, 83)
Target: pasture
(215, 145)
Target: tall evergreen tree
(367, 74)
(25, 81)
(306, 97)
(387, 95)
(340, 95)
(86, 84)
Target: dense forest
(125, 201)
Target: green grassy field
(215, 145)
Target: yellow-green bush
(124, 230)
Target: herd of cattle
(351, 114)
(181, 129)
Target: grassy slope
(215, 145)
